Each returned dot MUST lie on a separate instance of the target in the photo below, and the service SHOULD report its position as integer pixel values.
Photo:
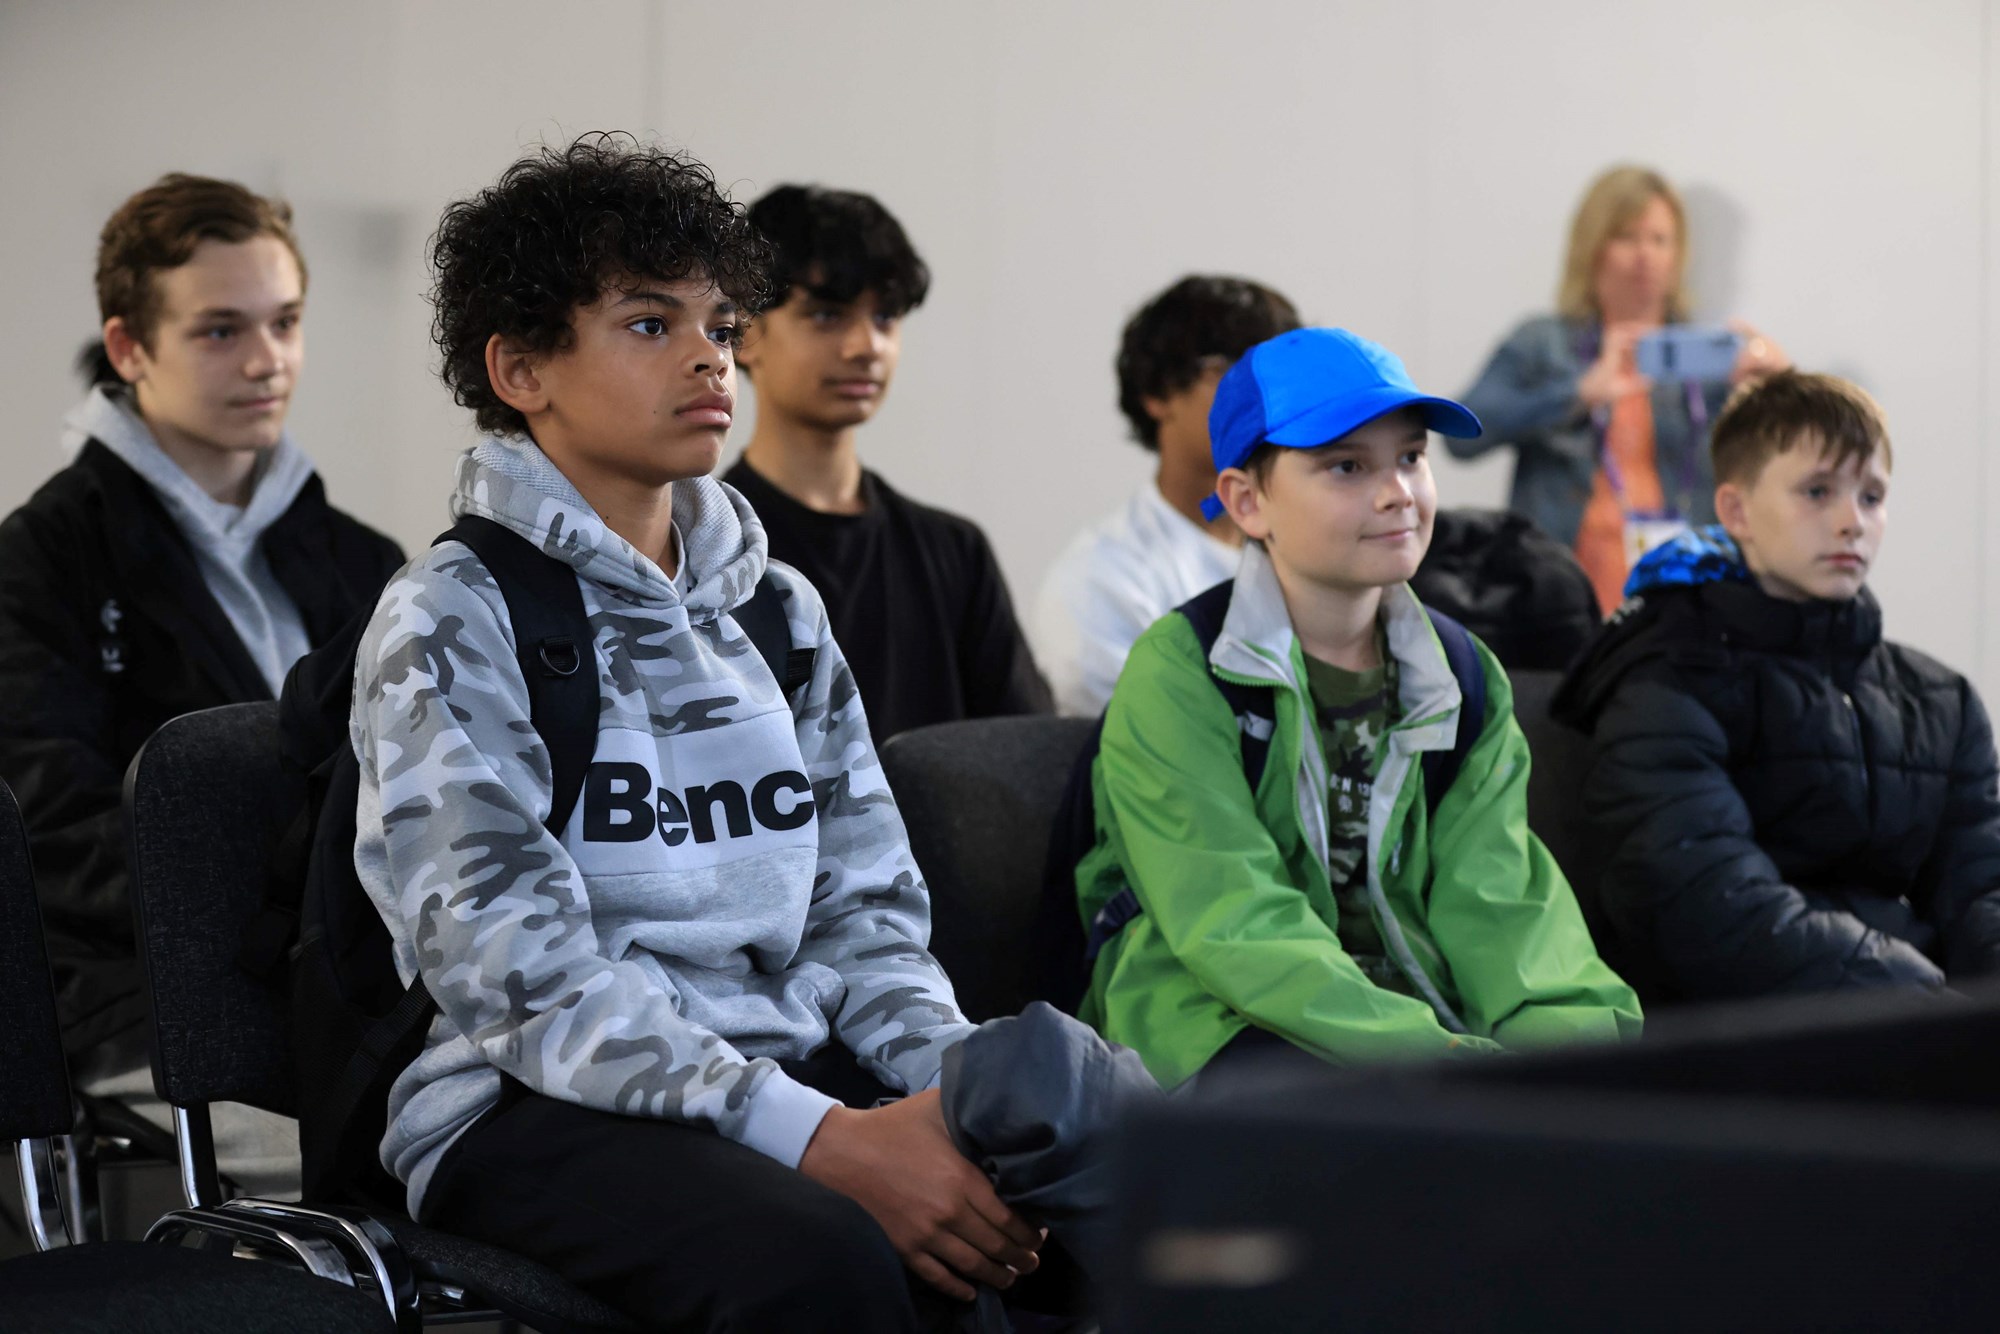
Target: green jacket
(1238, 920)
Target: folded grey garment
(1032, 1100)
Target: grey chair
(1555, 784)
(978, 798)
(130, 1286)
(199, 801)
(1556, 779)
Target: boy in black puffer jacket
(1789, 802)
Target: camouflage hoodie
(734, 889)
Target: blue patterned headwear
(1700, 556)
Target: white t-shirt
(1113, 580)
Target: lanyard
(1588, 344)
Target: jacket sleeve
(1521, 395)
(1686, 877)
(1525, 967)
(57, 744)
(499, 914)
(870, 919)
(1212, 880)
(994, 659)
(1961, 878)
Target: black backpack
(1065, 953)
(1521, 591)
(354, 1026)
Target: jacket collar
(1258, 644)
(157, 574)
(282, 473)
(1752, 618)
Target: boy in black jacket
(1790, 802)
(915, 595)
(184, 560)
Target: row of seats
(131, 1286)
(978, 798)
(201, 823)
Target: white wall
(1406, 170)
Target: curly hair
(1197, 318)
(558, 230)
(838, 244)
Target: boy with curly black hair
(650, 1022)
(915, 594)
(1157, 550)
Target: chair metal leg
(194, 1137)
(76, 1158)
(41, 1194)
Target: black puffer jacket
(107, 630)
(1786, 802)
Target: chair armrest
(201, 1228)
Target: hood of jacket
(1707, 555)
(510, 481)
(108, 417)
(1258, 645)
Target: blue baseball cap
(1310, 387)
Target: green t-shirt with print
(1354, 711)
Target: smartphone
(1688, 352)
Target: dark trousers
(676, 1226)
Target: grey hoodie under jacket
(224, 537)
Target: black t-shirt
(916, 600)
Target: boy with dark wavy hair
(1157, 550)
(1790, 801)
(664, 1028)
(915, 594)
(184, 560)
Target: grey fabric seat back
(978, 798)
(34, 1082)
(1555, 783)
(199, 803)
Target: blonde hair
(1609, 206)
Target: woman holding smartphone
(1607, 459)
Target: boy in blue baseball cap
(1310, 792)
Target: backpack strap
(1060, 955)
(553, 641)
(1441, 767)
(1254, 707)
(763, 620)
(1256, 719)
